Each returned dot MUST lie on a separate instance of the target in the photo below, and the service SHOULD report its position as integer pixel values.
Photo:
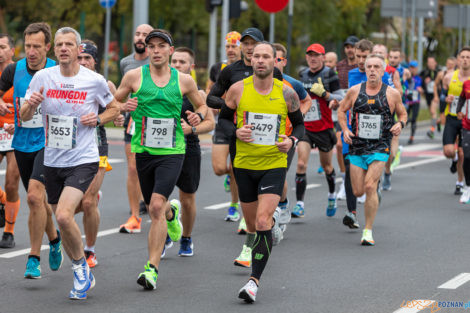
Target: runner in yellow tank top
(261, 104)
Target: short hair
(364, 45)
(452, 58)
(35, 28)
(281, 48)
(68, 30)
(378, 56)
(395, 49)
(381, 45)
(9, 39)
(466, 48)
(266, 43)
(188, 51)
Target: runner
(305, 103)
(188, 181)
(88, 58)
(428, 76)
(343, 67)
(331, 59)
(220, 142)
(261, 104)
(28, 144)
(373, 104)
(138, 58)
(322, 85)
(9, 199)
(453, 82)
(413, 97)
(465, 117)
(158, 141)
(70, 95)
(440, 93)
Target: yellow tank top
(267, 114)
(455, 88)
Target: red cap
(317, 48)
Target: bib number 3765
(370, 126)
(159, 132)
(61, 131)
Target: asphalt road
(421, 234)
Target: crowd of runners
(53, 139)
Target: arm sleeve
(278, 74)
(297, 122)
(213, 72)
(7, 78)
(226, 119)
(214, 99)
(336, 95)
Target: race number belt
(158, 132)
(36, 121)
(314, 114)
(5, 140)
(61, 131)
(370, 126)
(264, 127)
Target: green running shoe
(175, 228)
(148, 278)
(242, 227)
(227, 183)
(396, 161)
(244, 259)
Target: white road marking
(414, 306)
(456, 282)
(421, 162)
(422, 147)
(113, 161)
(218, 206)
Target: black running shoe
(458, 190)
(142, 208)
(8, 241)
(453, 167)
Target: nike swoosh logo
(274, 99)
(264, 188)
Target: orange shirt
(10, 117)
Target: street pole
(420, 42)
(460, 25)
(467, 15)
(106, 41)
(272, 18)
(141, 9)
(289, 33)
(212, 38)
(224, 29)
(412, 34)
(403, 26)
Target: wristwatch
(193, 130)
(98, 121)
(294, 141)
(200, 115)
(402, 124)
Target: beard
(262, 74)
(139, 50)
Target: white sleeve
(103, 94)
(35, 85)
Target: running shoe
(285, 215)
(233, 214)
(248, 292)
(244, 259)
(2, 215)
(276, 230)
(83, 281)
(148, 278)
(142, 208)
(8, 241)
(320, 170)
(168, 245)
(350, 220)
(33, 269)
(91, 259)
(367, 239)
(242, 227)
(439, 127)
(362, 199)
(298, 211)
(465, 197)
(453, 167)
(132, 225)
(411, 140)
(396, 160)
(331, 208)
(175, 228)
(457, 192)
(387, 183)
(430, 134)
(227, 183)
(56, 257)
(342, 192)
(186, 247)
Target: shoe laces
(79, 271)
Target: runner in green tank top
(158, 141)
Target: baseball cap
(233, 38)
(317, 48)
(254, 33)
(156, 33)
(351, 40)
(413, 63)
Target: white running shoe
(341, 195)
(362, 199)
(248, 292)
(465, 197)
(276, 230)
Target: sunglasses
(280, 59)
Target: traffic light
(237, 7)
(211, 4)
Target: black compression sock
(330, 178)
(260, 252)
(34, 256)
(55, 241)
(153, 266)
(300, 186)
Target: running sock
(11, 211)
(456, 157)
(260, 252)
(300, 186)
(154, 267)
(79, 262)
(350, 197)
(234, 204)
(34, 256)
(57, 239)
(3, 196)
(433, 124)
(87, 248)
(330, 178)
(283, 202)
(458, 183)
(250, 239)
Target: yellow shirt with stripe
(255, 156)
(455, 88)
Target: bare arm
(305, 104)
(397, 83)
(397, 104)
(437, 81)
(29, 106)
(129, 84)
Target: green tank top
(157, 116)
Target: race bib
(370, 126)
(61, 131)
(415, 96)
(314, 114)
(264, 127)
(5, 140)
(466, 109)
(430, 87)
(453, 105)
(334, 115)
(130, 127)
(36, 121)
(159, 132)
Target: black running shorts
(324, 140)
(31, 166)
(252, 183)
(452, 129)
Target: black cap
(254, 33)
(156, 33)
(351, 40)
